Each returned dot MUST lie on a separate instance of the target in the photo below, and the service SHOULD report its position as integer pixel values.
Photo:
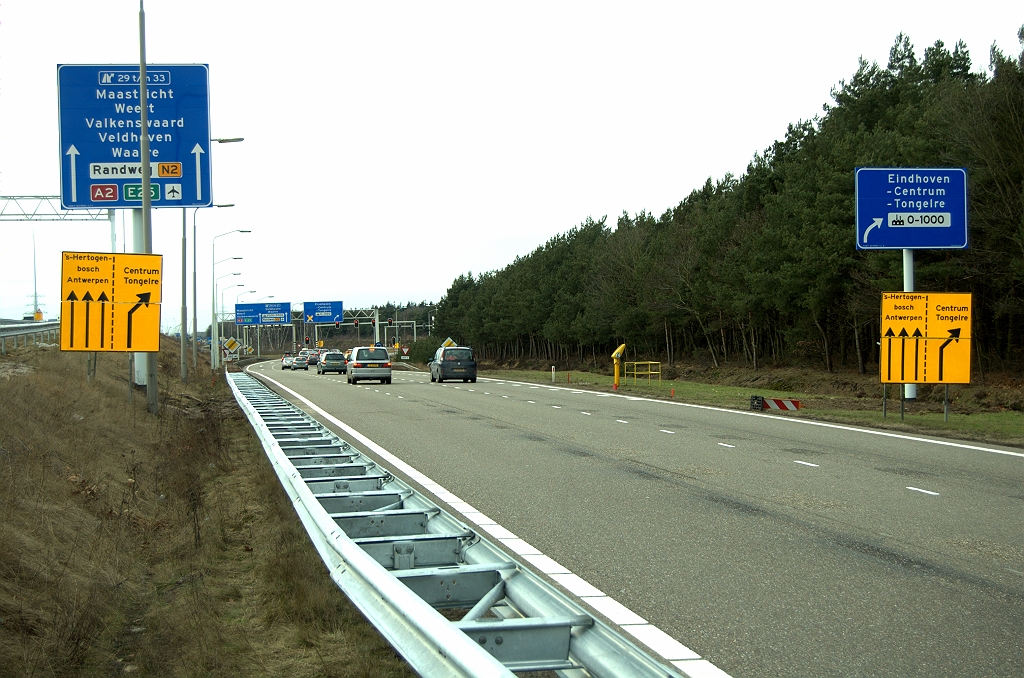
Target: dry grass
(155, 545)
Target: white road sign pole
(909, 390)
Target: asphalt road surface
(771, 546)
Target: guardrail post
(3, 345)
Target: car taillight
(387, 364)
(357, 364)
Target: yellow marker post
(617, 357)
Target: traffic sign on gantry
(926, 338)
(101, 128)
(110, 302)
(911, 208)
(322, 311)
(264, 314)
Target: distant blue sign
(263, 314)
(322, 311)
(911, 208)
(101, 131)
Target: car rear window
(458, 354)
(380, 354)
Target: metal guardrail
(399, 557)
(37, 331)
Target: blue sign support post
(101, 127)
(911, 208)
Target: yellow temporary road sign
(110, 302)
(926, 338)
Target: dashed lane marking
(918, 489)
(805, 463)
(726, 445)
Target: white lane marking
(1015, 571)
(587, 413)
(575, 392)
(918, 489)
(557, 407)
(622, 421)
(805, 463)
(470, 390)
(657, 640)
(504, 396)
(535, 387)
(532, 402)
(487, 393)
(666, 431)
(402, 397)
(809, 422)
(726, 445)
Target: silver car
(369, 362)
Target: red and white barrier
(780, 404)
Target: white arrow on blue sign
(101, 128)
(911, 208)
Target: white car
(369, 362)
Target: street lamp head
(240, 231)
(232, 140)
(230, 204)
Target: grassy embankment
(155, 545)
(991, 411)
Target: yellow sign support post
(110, 302)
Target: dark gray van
(453, 362)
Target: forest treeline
(763, 268)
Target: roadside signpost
(911, 208)
(101, 130)
(110, 302)
(926, 338)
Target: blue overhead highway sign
(263, 314)
(911, 208)
(100, 135)
(322, 311)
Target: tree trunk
(824, 339)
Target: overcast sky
(391, 146)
